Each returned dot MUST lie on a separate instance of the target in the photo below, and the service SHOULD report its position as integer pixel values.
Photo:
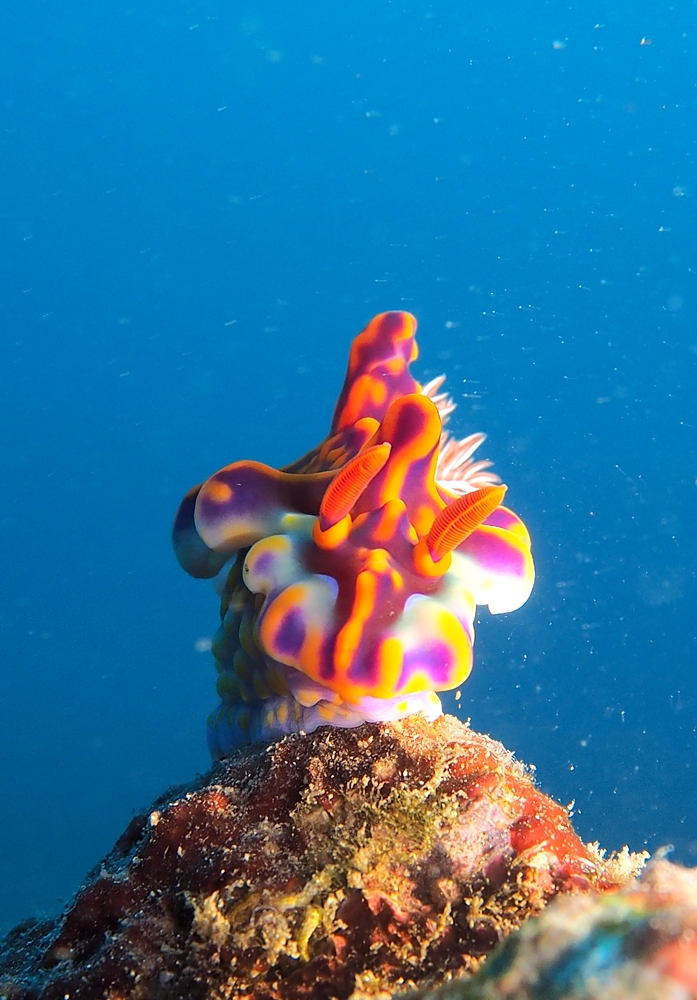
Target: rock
(343, 864)
(636, 944)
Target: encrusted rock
(344, 864)
(637, 944)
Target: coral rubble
(343, 864)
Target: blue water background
(202, 203)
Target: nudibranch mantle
(350, 578)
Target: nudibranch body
(350, 578)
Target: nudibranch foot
(350, 578)
(233, 726)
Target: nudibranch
(350, 578)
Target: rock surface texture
(345, 864)
(636, 944)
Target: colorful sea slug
(349, 579)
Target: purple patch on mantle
(291, 634)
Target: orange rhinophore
(459, 519)
(351, 481)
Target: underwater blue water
(202, 203)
